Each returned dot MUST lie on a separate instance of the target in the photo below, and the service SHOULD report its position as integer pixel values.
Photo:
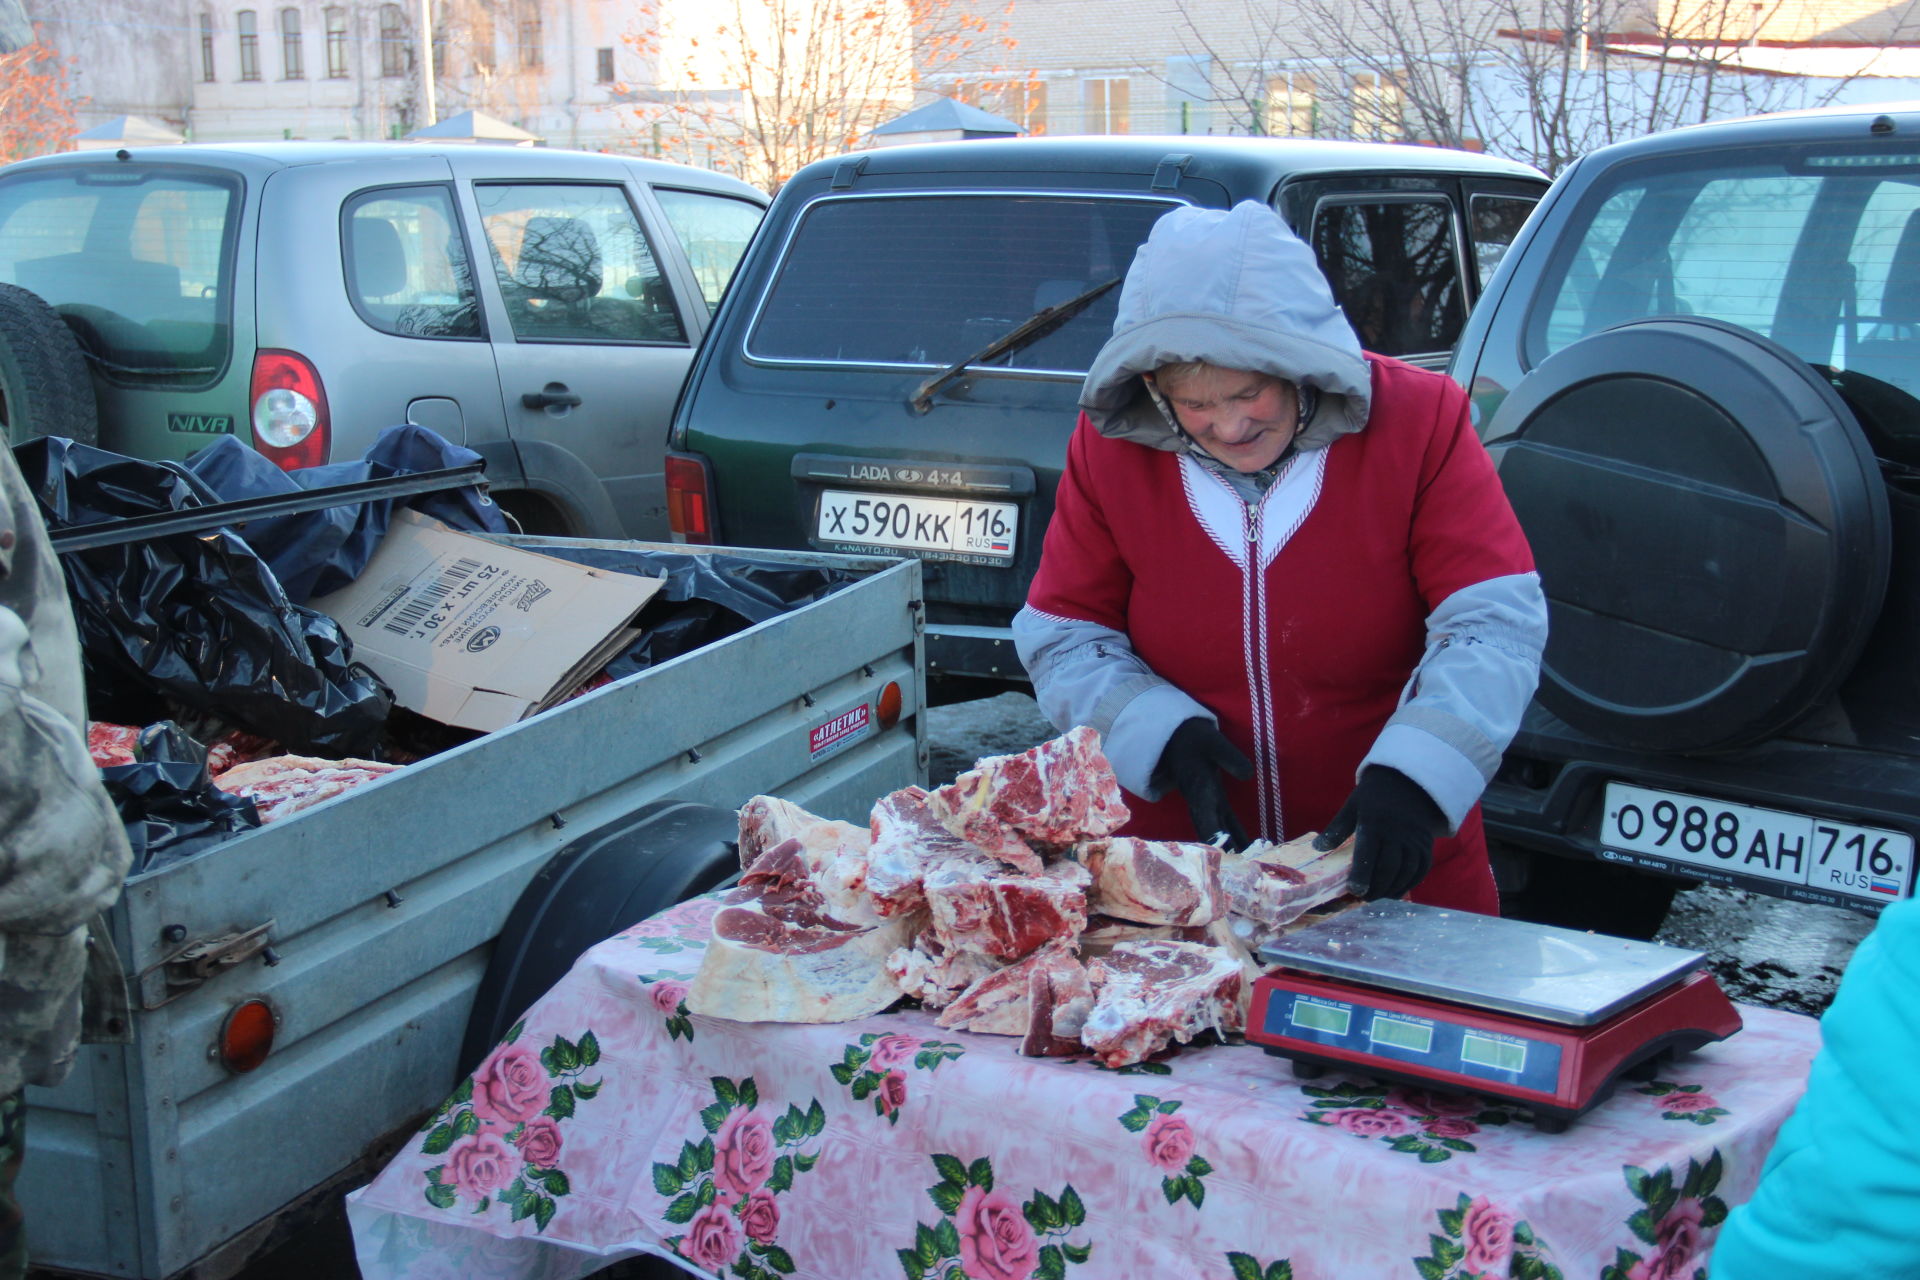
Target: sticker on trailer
(836, 733)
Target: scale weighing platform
(1546, 1017)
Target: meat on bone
(791, 844)
(776, 956)
(283, 785)
(932, 974)
(1270, 886)
(1154, 881)
(1017, 807)
(1058, 1001)
(1006, 915)
(907, 843)
(1148, 995)
(1000, 1003)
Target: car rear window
(138, 260)
(923, 281)
(1819, 252)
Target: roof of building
(944, 114)
(473, 126)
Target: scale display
(1398, 1036)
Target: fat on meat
(1154, 881)
(1148, 995)
(1001, 1002)
(776, 955)
(907, 842)
(1006, 915)
(112, 744)
(1104, 933)
(1018, 807)
(284, 785)
(932, 974)
(788, 844)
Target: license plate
(944, 528)
(1867, 864)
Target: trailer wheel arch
(606, 881)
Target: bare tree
(762, 87)
(1538, 80)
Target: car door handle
(554, 395)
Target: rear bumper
(1549, 792)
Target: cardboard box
(473, 632)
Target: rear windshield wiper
(1033, 328)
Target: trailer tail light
(246, 1037)
(289, 410)
(888, 710)
(689, 498)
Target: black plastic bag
(195, 618)
(167, 801)
(313, 553)
(706, 597)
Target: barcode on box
(429, 597)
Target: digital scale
(1549, 1018)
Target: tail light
(888, 710)
(690, 498)
(246, 1037)
(290, 423)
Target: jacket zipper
(1259, 687)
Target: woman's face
(1244, 419)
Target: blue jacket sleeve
(1839, 1198)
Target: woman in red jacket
(1281, 579)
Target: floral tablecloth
(613, 1123)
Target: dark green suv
(897, 363)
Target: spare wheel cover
(1710, 526)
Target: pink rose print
(711, 1241)
(539, 1143)
(480, 1164)
(1433, 1102)
(1373, 1122)
(889, 1052)
(1488, 1234)
(743, 1152)
(996, 1243)
(511, 1086)
(1675, 1242)
(892, 1092)
(1678, 1101)
(760, 1218)
(1169, 1143)
(1450, 1127)
(667, 996)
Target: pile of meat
(246, 765)
(1004, 901)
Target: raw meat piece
(907, 842)
(1060, 792)
(933, 975)
(111, 744)
(1154, 881)
(999, 1004)
(1149, 994)
(237, 746)
(1058, 1002)
(283, 785)
(1270, 886)
(775, 957)
(794, 845)
(1006, 915)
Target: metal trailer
(367, 923)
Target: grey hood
(1236, 289)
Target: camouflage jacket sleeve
(63, 852)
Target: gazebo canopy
(475, 126)
(947, 118)
(126, 131)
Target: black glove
(1394, 823)
(1191, 765)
